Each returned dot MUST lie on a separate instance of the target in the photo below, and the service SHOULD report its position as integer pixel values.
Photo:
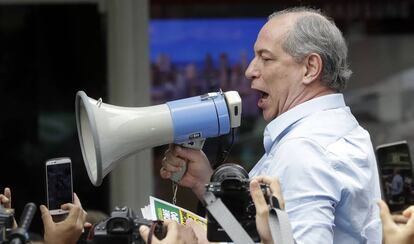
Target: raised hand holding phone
(59, 184)
(396, 174)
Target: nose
(252, 72)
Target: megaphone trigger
(197, 143)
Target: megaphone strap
(174, 188)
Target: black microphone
(27, 215)
(20, 235)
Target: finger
(46, 217)
(87, 225)
(192, 224)
(189, 222)
(7, 193)
(81, 218)
(144, 232)
(192, 155)
(74, 212)
(4, 200)
(385, 215)
(67, 206)
(172, 228)
(76, 200)
(274, 185)
(187, 234)
(408, 212)
(172, 159)
(170, 147)
(268, 180)
(199, 232)
(399, 219)
(172, 164)
(262, 209)
(164, 173)
(169, 150)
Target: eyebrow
(264, 51)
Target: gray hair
(314, 32)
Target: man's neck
(309, 93)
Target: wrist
(199, 189)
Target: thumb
(199, 231)
(144, 232)
(192, 224)
(46, 217)
(409, 214)
(386, 218)
(189, 222)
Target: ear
(313, 68)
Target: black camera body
(123, 227)
(230, 183)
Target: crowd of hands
(397, 228)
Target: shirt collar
(283, 121)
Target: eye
(266, 59)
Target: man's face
(273, 72)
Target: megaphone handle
(176, 177)
(197, 144)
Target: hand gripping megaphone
(109, 133)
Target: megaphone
(109, 133)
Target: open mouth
(263, 94)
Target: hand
(393, 232)
(262, 209)
(198, 172)
(199, 231)
(176, 233)
(67, 231)
(5, 200)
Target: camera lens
(229, 171)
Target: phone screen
(59, 183)
(396, 175)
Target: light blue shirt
(328, 172)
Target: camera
(122, 227)
(18, 235)
(230, 183)
(6, 223)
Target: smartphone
(396, 175)
(59, 184)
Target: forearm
(199, 187)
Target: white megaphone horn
(109, 133)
